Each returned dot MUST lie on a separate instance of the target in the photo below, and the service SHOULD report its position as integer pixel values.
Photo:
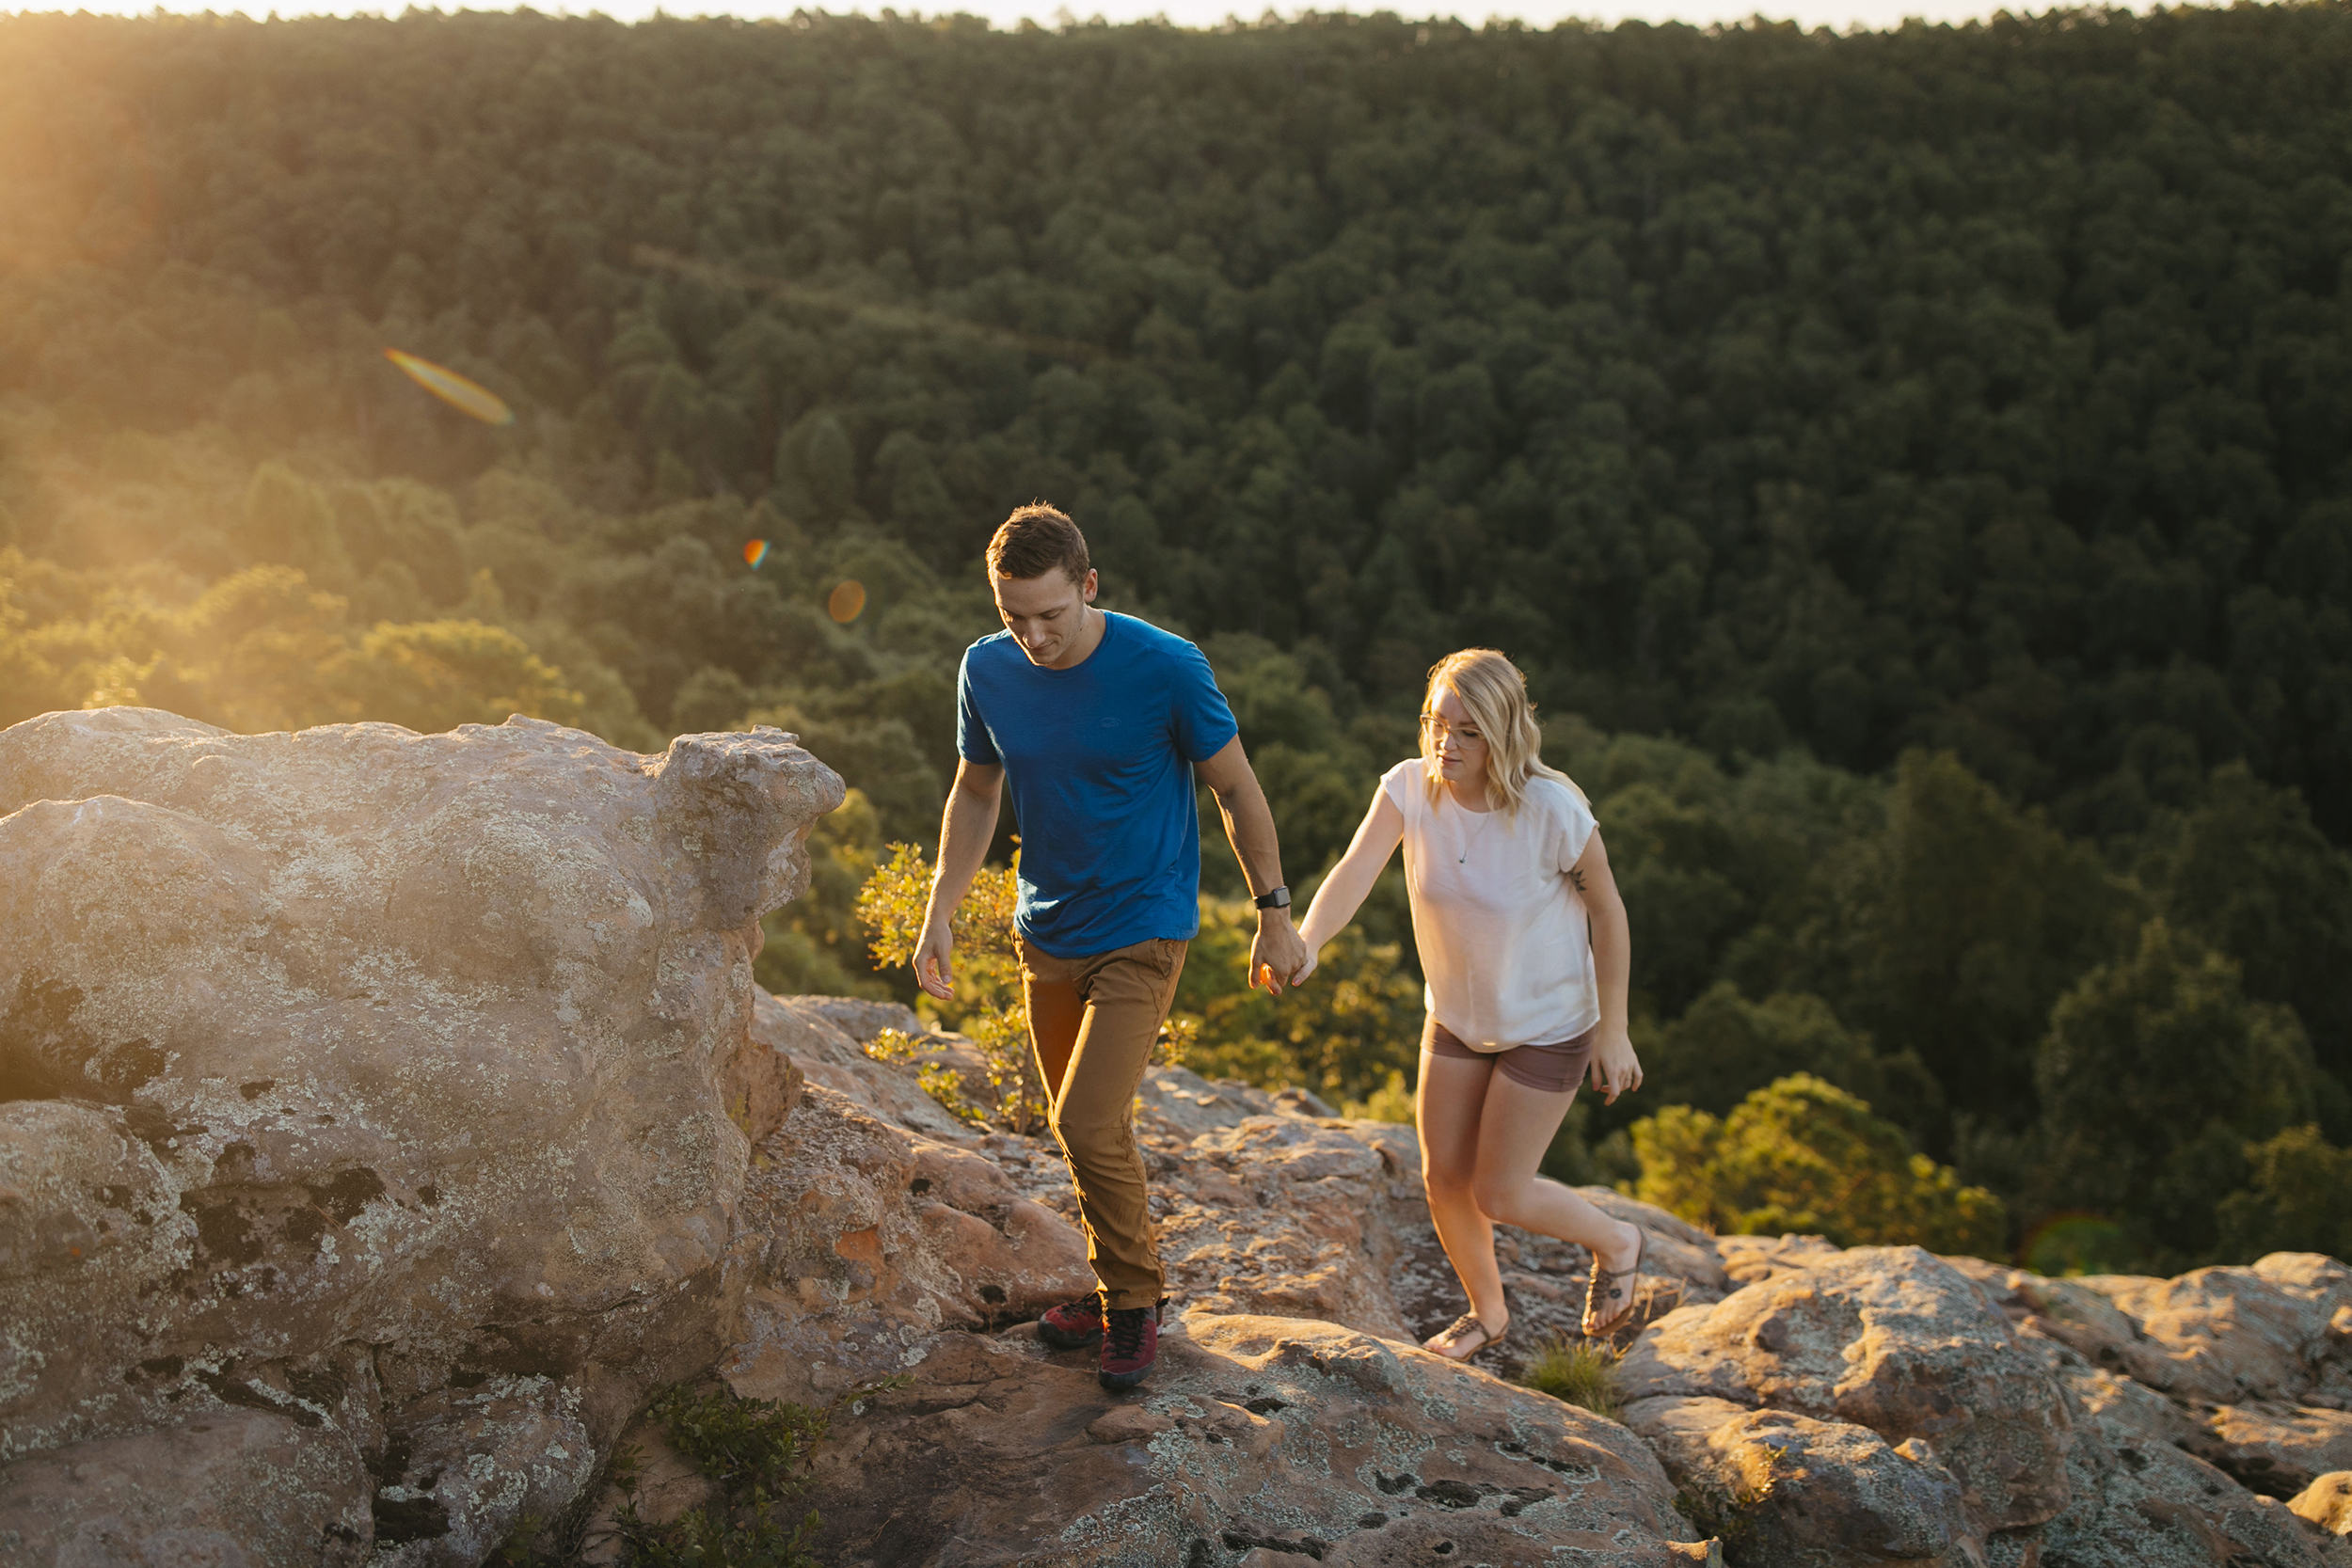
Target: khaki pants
(1093, 1022)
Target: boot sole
(1061, 1340)
(1118, 1381)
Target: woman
(1523, 939)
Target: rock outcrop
(366, 1153)
(384, 1117)
(1808, 1405)
(1881, 1371)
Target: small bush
(1391, 1102)
(990, 1004)
(1581, 1372)
(756, 1450)
(1805, 1155)
(741, 1444)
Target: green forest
(1914, 469)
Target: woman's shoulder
(1556, 797)
(1405, 784)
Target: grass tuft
(1581, 1372)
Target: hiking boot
(1131, 1342)
(1073, 1324)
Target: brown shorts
(1555, 1068)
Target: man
(1101, 723)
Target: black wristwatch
(1279, 900)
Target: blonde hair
(1494, 691)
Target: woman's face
(1455, 738)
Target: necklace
(1474, 835)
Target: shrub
(2295, 1200)
(1391, 1102)
(1805, 1155)
(989, 1005)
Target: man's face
(1046, 615)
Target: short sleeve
(1200, 717)
(1577, 824)
(1402, 785)
(973, 741)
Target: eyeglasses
(1437, 729)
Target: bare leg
(1516, 1127)
(1449, 1106)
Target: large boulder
(1901, 1367)
(379, 1084)
(2273, 1330)
(227, 1489)
(1257, 1441)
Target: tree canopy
(1914, 469)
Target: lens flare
(755, 553)
(467, 396)
(848, 601)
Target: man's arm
(1277, 954)
(967, 827)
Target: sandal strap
(1594, 1295)
(1469, 1321)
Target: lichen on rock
(378, 1082)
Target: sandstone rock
(805, 1030)
(1267, 1211)
(1784, 1488)
(859, 1018)
(1753, 1260)
(475, 1466)
(1886, 1338)
(2327, 1502)
(2226, 1334)
(248, 1489)
(860, 1241)
(1303, 1440)
(2136, 1500)
(2274, 1449)
(342, 1065)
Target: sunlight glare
(467, 396)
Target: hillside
(1913, 467)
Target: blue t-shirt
(1100, 762)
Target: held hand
(934, 960)
(1616, 1069)
(1278, 957)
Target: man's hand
(1616, 1069)
(935, 960)
(1277, 957)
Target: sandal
(1462, 1326)
(1595, 1295)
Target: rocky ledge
(384, 1117)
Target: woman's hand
(1615, 1068)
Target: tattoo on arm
(1576, 875)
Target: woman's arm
(1343, 890)
(1616, 1069)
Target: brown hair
(1035, 539)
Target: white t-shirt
(1501, 929)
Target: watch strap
(1279, 898)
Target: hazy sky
(1191, 13)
